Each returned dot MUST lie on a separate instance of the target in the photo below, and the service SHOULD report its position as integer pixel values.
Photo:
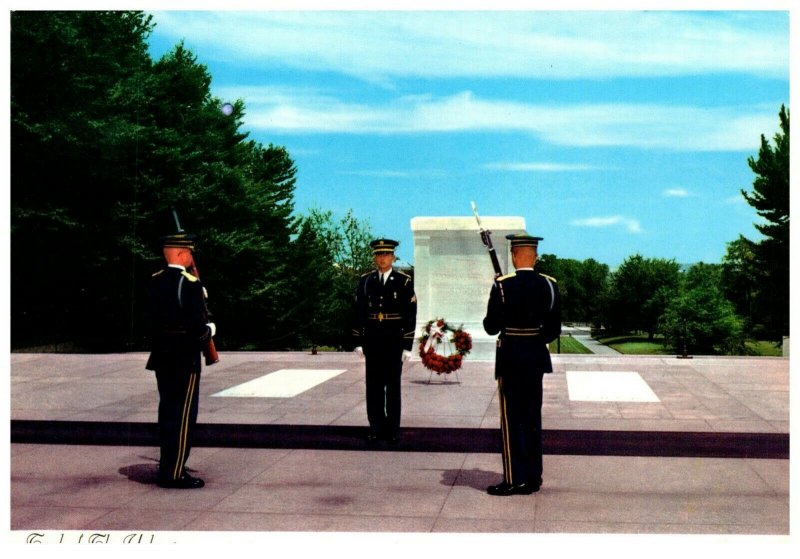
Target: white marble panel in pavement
(609, 386)
(284, 383)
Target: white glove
(406, 355)
(359, 351)
(213, 328)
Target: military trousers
(177, 418)
(520, 398)
(384, 367)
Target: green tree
(700, 320)
(104, 143)
(639, 292)
(251, 231)
(76, 82)
(740, 280)
(593, 277)
(333, 256)
(582, 285)
(770, 198)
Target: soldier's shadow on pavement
(474, 478)
(144, 473)
(141, 473)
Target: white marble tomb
(453, 273)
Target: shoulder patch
(551, 278)
(505, 277)
(188, 276)
(402, 274)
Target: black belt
(380, 317)
(522, 331)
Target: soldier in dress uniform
(180, 329)
(524, 309)
(385, 322)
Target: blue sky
(611, 133)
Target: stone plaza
(708, 456)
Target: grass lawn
(765, 349)
(569, 345)
(635, 344)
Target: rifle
(486, 237)
(210, 349)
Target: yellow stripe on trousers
(504, 437)
(183, 435)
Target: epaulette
(551, 278)
(189, 276)
(408, 278)
(158, 273)
(505, 277)
(368, 273)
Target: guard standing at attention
(524, 309)
(385, 322)
(180, 331)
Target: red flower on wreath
(435, 332)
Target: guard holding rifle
(524, 310)
(181, 332)
(383, 332)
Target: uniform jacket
(179, 326)
(524, 309)
(385, 314)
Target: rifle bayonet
(486, 237)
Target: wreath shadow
(436, 382)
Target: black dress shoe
(502, 489)
(525, 488)
(505, 489)
(184, 482)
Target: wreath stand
(458, 378)
(438, 332)
(447, 345)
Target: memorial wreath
(435, 332)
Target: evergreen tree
(76, 82)
(104, 143)
(770, 198)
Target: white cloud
(539, 167)
(632, 225)
(393, 174)
(647, 126)
(676, 193)
(736, 200)
(375, 45)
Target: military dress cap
(383, 246)
(523, 240)
(179, 240)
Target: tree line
(105, 141)
(705, 308)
